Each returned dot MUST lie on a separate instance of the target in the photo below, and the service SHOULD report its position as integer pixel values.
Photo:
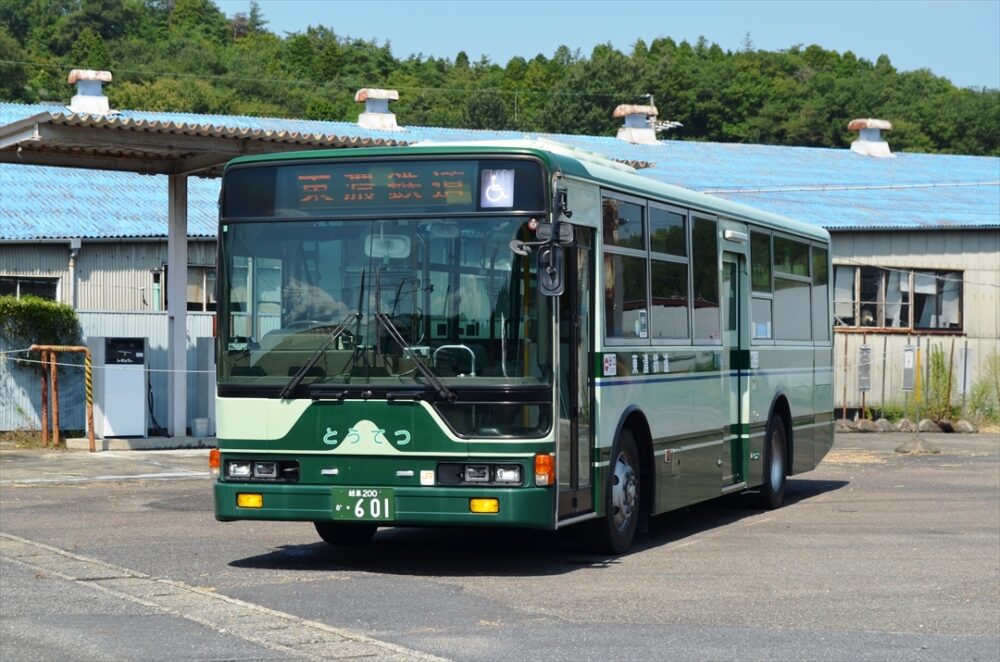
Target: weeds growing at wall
(984, 399)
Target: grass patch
(32, 439)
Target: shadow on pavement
(442, 551)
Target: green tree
(89, 51)
(187, 55)
(486, 110)
(14, 79)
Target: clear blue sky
(958, 39)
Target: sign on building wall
(909, 367)
(865, 368)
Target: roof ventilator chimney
(639, 124)
(870, 141)
(377, 115)
(89, 98)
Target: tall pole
(45, 399)
(951, 362)
(843, 402)
(89, 381)
(177, 306)
(54, 376)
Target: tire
(772, 492)
(614, 533)
(341, 533)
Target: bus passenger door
(734, 348)
(575, 392)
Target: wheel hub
(623, 492)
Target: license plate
(364, 504)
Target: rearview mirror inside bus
(387, 246)
(550, 270)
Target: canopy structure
(156, 143)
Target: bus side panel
(823, 395)
(785, 371)
(687, 414)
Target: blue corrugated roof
(38, 202)
(833, 188)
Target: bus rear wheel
(345, 533)
(614, 532)
(772, 492)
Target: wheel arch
(780, 406)
(635, 420)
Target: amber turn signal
(545, 470)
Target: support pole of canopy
(177, 307)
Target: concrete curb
(140, 443)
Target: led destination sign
(332, 189)
(430, 184)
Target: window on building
(20, 286)
(868, 297)
(200, 291)
(201, 288)
(937, 300)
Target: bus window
(820, 295)
(705, 268)
(669, 309)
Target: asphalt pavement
(877, 555)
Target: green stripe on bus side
(824, 417)
(802, 421)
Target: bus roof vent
(639, 124)
(89, 96)
(870, 141)
(377, 115)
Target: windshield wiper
(296, 379)
(443, 391)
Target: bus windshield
(365, 302)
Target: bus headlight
(238, 469)
(477, 473)
(507, 473)
(265, 469)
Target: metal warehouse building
(916, 237)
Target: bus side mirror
(544, 233)
(550, 270)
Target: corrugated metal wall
(20, 388)
(977, 255)
(109, 275)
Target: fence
(20, 387)
(964, 358)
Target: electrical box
(120, 386)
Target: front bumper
(530, 507)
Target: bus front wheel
(772, 492)
(614, 532)
(342, 533)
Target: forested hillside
(186, 55)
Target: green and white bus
(507, 334)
